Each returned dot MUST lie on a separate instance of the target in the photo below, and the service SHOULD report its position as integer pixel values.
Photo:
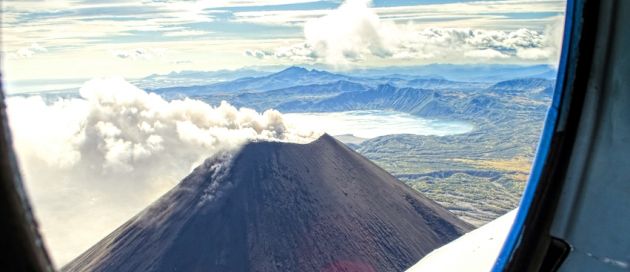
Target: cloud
(27, 52)
(186, 33)
(534, 53)
(90, 163)
(139, 53)
(344, 35)
(486, 54)
(259, 54)
(354, 32)
(341, 36)
(300, 53)
(348, 33)
(477, 14)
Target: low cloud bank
(26, 52)
(91, 163)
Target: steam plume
(91, 163)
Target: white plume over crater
(90, 163)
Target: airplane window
(292, 135)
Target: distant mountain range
(280, 207)
(292, 76)
(478, 73)
(195, 78)
(444, 76)
(525, 86)
(466, 72)
(297, 89)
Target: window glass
(111, 105)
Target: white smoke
(93, 162)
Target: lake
(374, 123)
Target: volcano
(280, 207)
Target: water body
(374, 123)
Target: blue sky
(84, 38)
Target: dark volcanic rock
(280, 207)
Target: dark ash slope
(280, 207)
